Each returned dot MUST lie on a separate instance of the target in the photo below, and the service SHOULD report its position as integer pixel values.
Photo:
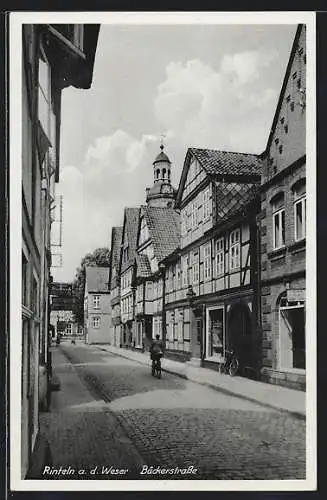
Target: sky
(206, 86)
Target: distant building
(127, 269)
(61, 311)
(114, 285)
(158, 237)
(97, 307)
(54, 56)
(283, 230)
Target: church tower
(162, 193)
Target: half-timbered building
(114, 285)
(283, 229)
(127, 269)
(159, 236)
(210, 285)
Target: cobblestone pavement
(173, 422)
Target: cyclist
(156, 352)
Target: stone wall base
(286, 379)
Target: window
(220, 256)
(299, 211)
(96, 322)
(234, 250)
(195, 267)
(96, 301)
(24, 280)
(171, 325)
(206, 203)
(183, 223)
(69, 328)
(278, 222)
(185, 270)
(178, 276)
(207, 261)
(194, 215)
(180, 327)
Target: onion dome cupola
(162, 193)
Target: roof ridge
(226, 151)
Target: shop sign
(296, 295)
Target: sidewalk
(269, 395)
(77, 426)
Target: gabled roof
(284, 86)
(227, 166)
(143, 266)
(97, 279)
(164, 228)
(232, 197)
(116, 240)
(227, 162)
(130, 228)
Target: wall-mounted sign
(296, 295)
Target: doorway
(239, 337)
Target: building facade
(97, 305)
(53, 57)
(127, 270)
(210, 286)
(114, 285)
(283, 230)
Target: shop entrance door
(239, 338)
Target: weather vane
(162, 137)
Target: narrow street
(110, 412)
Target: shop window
(292, 335)
(234, 250)
(215, 329)
(220, 256)
(278, 221)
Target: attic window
(292, 106)
(286, 129)
(288, 98)
(276, 140)
(271, 161)
(282, 120)
(294, 75)
(301, 51)
(280, 149)
(298, 83)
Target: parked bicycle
(231, 363)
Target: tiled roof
(164, 228)
(131, 223)
(97, 279)
(117, 234)
(143, 266)
(232, 197)
(227, 163)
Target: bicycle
(231, 363)
(156, 365)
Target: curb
(228, 392)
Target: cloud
(114, 174)
(224, 108)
